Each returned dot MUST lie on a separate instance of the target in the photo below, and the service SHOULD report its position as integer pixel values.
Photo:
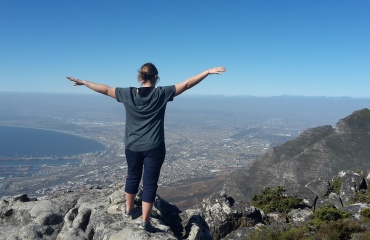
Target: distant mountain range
(319, 152)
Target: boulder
(276, 217)
(335, 200)
(300, 215)
(223, 214)
(351, 184)
(355, 209)
(319, 187)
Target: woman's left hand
(77, 82)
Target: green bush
(365, 212)
(326, 223)
(296, 232)
(272, 200)
(327, 214)
(362, 196)
(361, 173)
(365, 235)
(293, 233)
(341, 229)
(263, 234)
(336, 184)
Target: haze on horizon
(269, 48)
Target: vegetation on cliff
(327, 222)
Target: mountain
(319, 152)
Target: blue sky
(270, 48)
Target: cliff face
(319, 152)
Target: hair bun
(147, 72)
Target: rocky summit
(319, 152)
(97, 214)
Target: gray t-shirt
(144, 116)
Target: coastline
(100, 146)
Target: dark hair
(147, 72)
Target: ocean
(16, 142)
(27, 151)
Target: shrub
(361, 173)
(362, 196)
(365, 235)
(296, 232)
(365, 212)
(263, 234)
(293, 233)
(342, 229)
(272, 200)
(336, 184)
(327, 214)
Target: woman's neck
(147, 85)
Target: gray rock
(355, 209)
(88, 214)
(335, 200)
(319, 187)
(276, 217)
(351, 184)
(300, 215)
(307, 196)
(223, 214)
(194, 225)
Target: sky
(269, 47)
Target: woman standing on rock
(144, 133)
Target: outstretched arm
(191, 82)
(97, 87)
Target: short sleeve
(170, 92)
(120, 94)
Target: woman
(144, 133)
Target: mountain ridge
(318, 152)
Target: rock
(223, 214)
(300, 215)
(335, 200)
(319, 187)
(351, 184)
(87, 214)
(276, 217)
(169, 214)
(22, 198)
(355, 209)
(194, 225)
(307, 196)
(34, 219)
(117, 197)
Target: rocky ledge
(96, 214)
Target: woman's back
(144, 128)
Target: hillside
(319, 152)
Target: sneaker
(126, 213)
(146, 226)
